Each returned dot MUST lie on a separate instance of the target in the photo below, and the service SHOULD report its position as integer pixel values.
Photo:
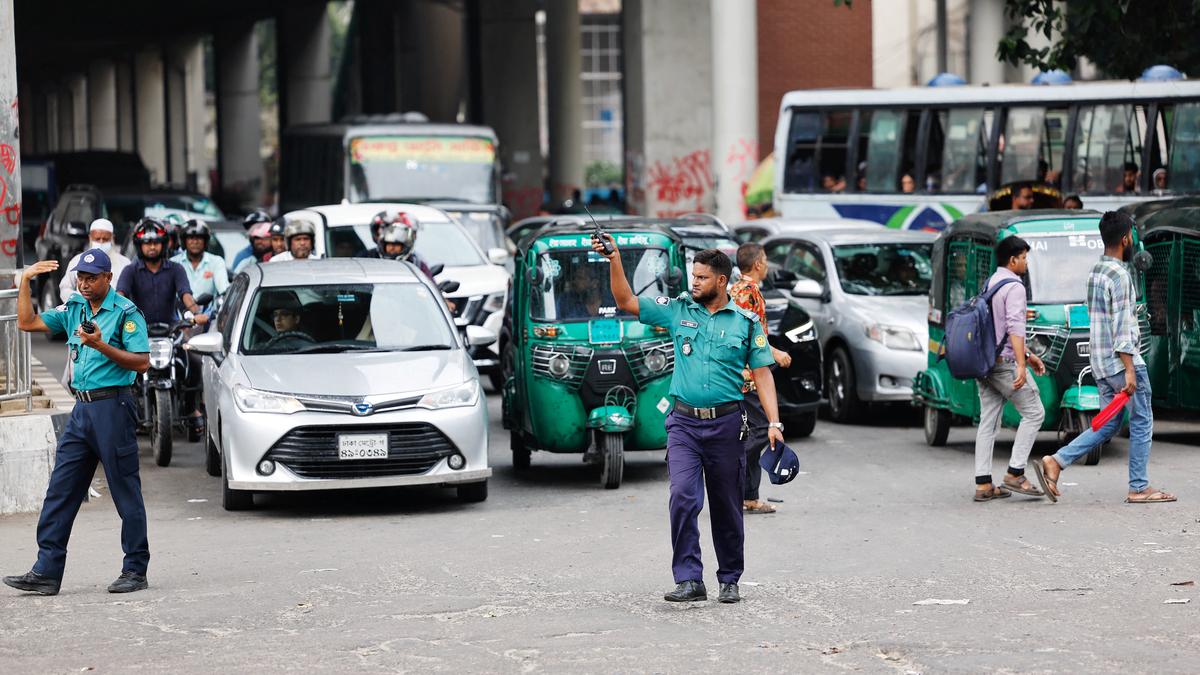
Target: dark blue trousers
(704, 453)
(101, 431)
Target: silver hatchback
(342, 373)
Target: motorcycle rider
(278, 241)
(206, 271)
(100, 236)
(300, 235)
(258, 246)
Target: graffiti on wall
(681, 185)
(10, 184)
(740, 162)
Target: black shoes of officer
(729, 594)
(128, 582)
(687, 591)
(34, 583)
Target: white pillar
(986, 24)
(102, 105)
(151, 113)
(126, 111)
(78, 85)
(304, 64)
(10, 151)
(735, 103)
(239, 126)
(564, 85)
(186, 120)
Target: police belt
(99, 394)
(707, 413)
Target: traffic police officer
(108, 345)
(714, 340)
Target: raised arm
(27, 319)
(626, 301)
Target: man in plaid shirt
(1117, 366)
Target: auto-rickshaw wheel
(612, 452)
(937, 426)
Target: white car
(330, 374)
(343, 230)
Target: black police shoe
(729, 594)
(687, 591)
(128, 582)
(34, 583)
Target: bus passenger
(1129, 180)
(1072, 202)
(907, 184)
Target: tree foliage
(1121, 37)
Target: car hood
(909, 311)
(476, 280)
(350, 374)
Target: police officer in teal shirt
(714, 341)
(108, 346)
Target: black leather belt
(99, 394)
(707, 413)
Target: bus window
(962, 156)
(1107, 149)
(1032, 145)
(891, 150)
(860, 159)
(800, 173)
(1183, 172)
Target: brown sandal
(759, 507)
(1022, 486)
(996, 492)
(1049, 486)
(1150, 496)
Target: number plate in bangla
(362, 446)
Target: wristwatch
(775, 425)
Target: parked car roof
(333, 271)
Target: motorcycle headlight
(894, 337)
(463, 395)
(656, 361)
(493, 303)
(1039, 345)
(160, 352)
(253, 400)
(805, 332)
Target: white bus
(919, 158)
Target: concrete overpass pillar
(151, 114)
(126, 110)
(564, 88)
(986, 25)
(509, 101)
(78, 86)
(668, 103)
(440, 61)
(102, 105)
(66, 118)
(10, 152)
(305, 80)
(184, 80)
(734, 103)
(239, 128)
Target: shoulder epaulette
(749, 314)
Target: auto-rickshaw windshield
(1059, 265)
(574, 283)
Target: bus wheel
(937, 426)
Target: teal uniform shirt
(121, 325)
(710, 349)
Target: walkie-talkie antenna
(599, 235)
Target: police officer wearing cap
(108, 345)
(714, 340)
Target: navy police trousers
(100, 431)
(700, 453)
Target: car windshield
(884, 269)
(574, 283)
(437, 243)
(407, 168)
(1059, 266)
(483, 228)
(346, 317)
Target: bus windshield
(415, 168)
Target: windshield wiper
(424, 348)
(335, 349)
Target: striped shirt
(1114, 325)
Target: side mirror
(536, 275)
(809, 289)
(1143, 260)
(497, 256)
(448, 286)
(478, 336)
(437, 269)
(203, 300)
(784, 278)
(205, 343)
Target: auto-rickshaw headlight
(560, 365)
(1039, 345)
(656, 361)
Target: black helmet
(147, 231)
(277, 228)
(255, 217)
(196, 228)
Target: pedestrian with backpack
(1007, 379)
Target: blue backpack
(970, 348)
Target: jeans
(1141, 428)
(994, 390)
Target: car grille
(312, 452)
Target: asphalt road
(553, 573)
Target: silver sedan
(343, 373)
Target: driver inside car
(287, 315)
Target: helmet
(196, 228)
(399, 233)
(255, 217)
(276, 229)
(298, 226)
(260, 231)
(149, 230)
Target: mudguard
(1085, 398)
(613, 419)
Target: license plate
(362, 446)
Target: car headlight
(1039, 345)
(494, 303)
(805, 332)
(656, 361)
(894, 337)
(253, 400)
(463, 395)
(160, 352)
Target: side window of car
(231, 308)
(805, 261)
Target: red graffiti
(9, 247)
(742, 157)
(8, 157)
(12, 213)
(523, 201)
(687, 179)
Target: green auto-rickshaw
(1170, 231)
(579, 375)
(1065, 246)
